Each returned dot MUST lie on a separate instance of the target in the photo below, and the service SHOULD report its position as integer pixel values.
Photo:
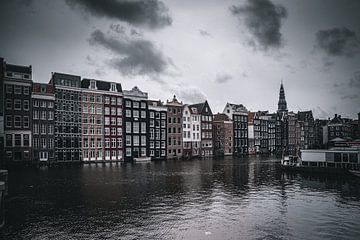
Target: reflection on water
(198, 199)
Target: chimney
(335, 115)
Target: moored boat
(142, 159)
(339, 160)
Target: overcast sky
(219, 50)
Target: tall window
(17, 104)
(8, 104)
(9, 121)
(17, 89)
(17, 121)
(26, 105)
(26, 140)
(26, 121)
(9, 89)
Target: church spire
(282, 106)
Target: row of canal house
(71, 119)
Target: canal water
(198, 199)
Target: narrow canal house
(43, 98)
(102, 122)
(136, 123)
(157, 131)
(191, 132)
(238, 114)
(67, 117)
(223, 135)
(174, 128)
(206, 121)
(17, 82)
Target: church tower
(282, 106)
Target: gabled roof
(305, 115)
(18, 68)
(100, 84)
(201, 107)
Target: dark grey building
(67, 117)
(136, 124)
(238, 114)
(157, 134)
(43, 99)
(17, 113)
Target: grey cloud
(355, 80)
(263, 19)
(223, 78)
(204, 33)
(136, 56)
(149, 13)
(190, 95)
(338, 42)
(350, 97)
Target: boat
(335, 160)
(142, 159)
(355, 173)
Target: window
(143, 127)
(36, 128)
(135, 113)
(43, 104)
(50, 105)
(128, 127)
(128, 140)
(9, 140)
(92, 84)
(113, 87)
(43, 115)
(17, 104)
(107, 111)
(17, 89)
(128, 113)
(43, 142)
(26, 140)
(8, 104)
(113, 142)
(26, 122)
(119, 121)
(119, 131)
(143, 114)
(135, 127)
(9, 121)
(128, 103)
(107, 142)
(119, 101)
(17, 140)
(43, 129)
(151, 114)
(143, 105)
(128, 152)
(50, 115)
(113, 111)
(9, 89)
(26, 90)
(119, 142)
(17, 121)
(119, 111)
(136, 105)
(136, 140)
(143, 140)
(26, 105)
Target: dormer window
(92, 84)
(42, 89)
(113, 87)
(9, 74)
